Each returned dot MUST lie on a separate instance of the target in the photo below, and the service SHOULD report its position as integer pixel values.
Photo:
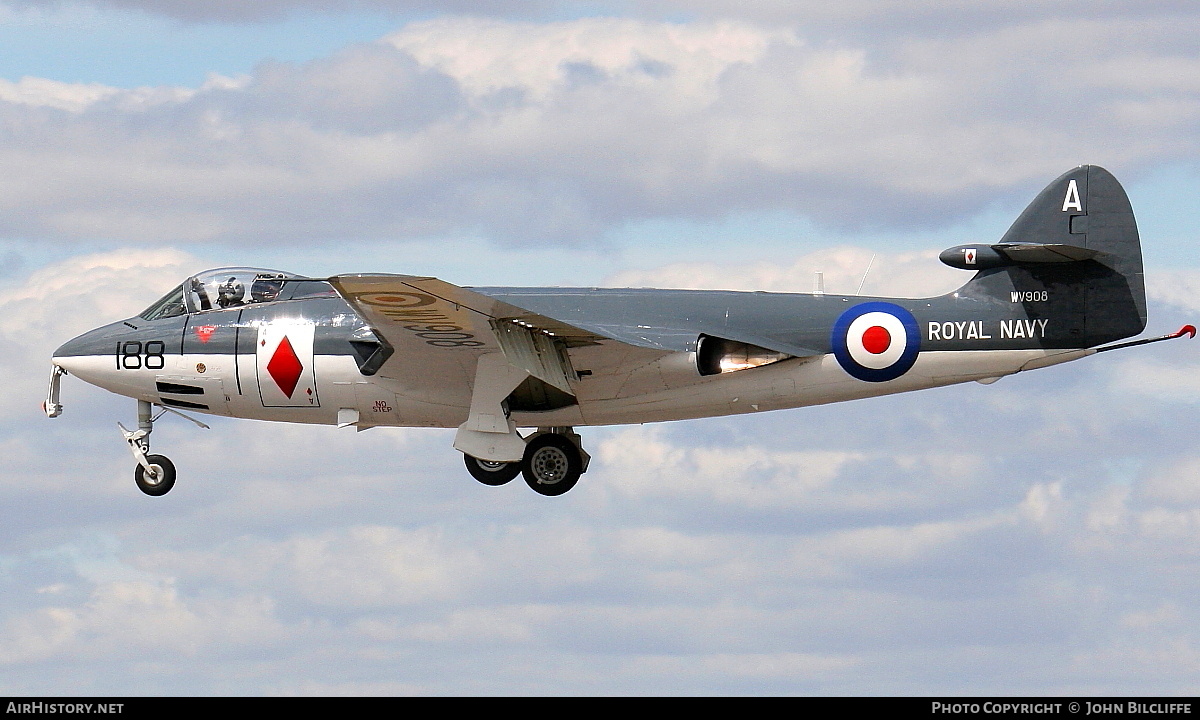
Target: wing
(672, 320)
(439, 330)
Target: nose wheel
(154, 474)
(158, 479)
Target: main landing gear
(553, 462)
(154, 474)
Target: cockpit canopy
(234, 287)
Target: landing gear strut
(154, 474)
(553, 462)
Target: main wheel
(552, 464)
(160, 480)
(491, 473)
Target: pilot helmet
(266, 288)
(230, 292)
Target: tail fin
(1095, 293)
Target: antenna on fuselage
(864, 277)
(819, 284)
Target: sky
(1037, 536)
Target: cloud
(136, 621)
(1177, 288)
(936, 540)
(1175, 483)
(57, 302)
(231, 11)
(910, 16)
(360, 566)
(843, 270)
(39, 92)
(797, 551)
(561, 132)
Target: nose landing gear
(154, 474)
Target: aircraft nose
(81, 345)
(69, 349)
(80, 356)
(70, 355)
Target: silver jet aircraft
(364, 351)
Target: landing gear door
(286, 372)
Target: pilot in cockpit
(231, 293)
(201, 294)
(266, 288)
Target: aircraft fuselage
(296, 361)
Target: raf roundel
(876, 341)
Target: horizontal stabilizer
(1044, 253)
(985, 257)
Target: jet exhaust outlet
(715, 356)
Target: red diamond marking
(285, 367)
